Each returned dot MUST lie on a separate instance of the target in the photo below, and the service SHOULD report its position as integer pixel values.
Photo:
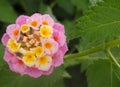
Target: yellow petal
(39, 51)
(25, 28)
(29, 58)
(13, 45)
(46, 31)
(44, 62)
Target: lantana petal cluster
(34, 45)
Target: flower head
(35, 45)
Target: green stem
(84, 53)
(94, 49)
(109, 54)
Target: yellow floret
(25, 28)
(29, 58)
(46, 31)
(13, 45)
(44, 62)
(39, 51)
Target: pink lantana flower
(46, 20)
(13, 31)
(5, 39)
(34, 21)
(34, 45)
(21, 20)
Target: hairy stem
(95, 49)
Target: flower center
(55, 38)
(13, 45)
(45, 23)
(43, 60)
(34, 23)
(20, 62)
(46, 31)
(25, 28)
(29, 58)
(48, 45)
(39, 51)
(15, 32)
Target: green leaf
(66, 5)
(117, 72)
(85, 64)
(70, 30)
(81, 4)
(85, 61)
(10, 79)
(116, 51)
(89, 60)
(72, 62)
(100, 24)
(13, 1)
(94, 2)
(2, 62)
(66, 74)
(30, 6)
(42, 8)
(7, 13)
(100, 74)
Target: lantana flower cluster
(34, 45)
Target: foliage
(100, 24)
(15, 80)
(5, 10)
(102, 69)
(92, 29)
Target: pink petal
(59, 27)
(21, 20)
(58, 58)
(54, 49)
(59, 37)
(49, 71)
(64, 48)
(34, 17)
(33, 72)
(5, 39)
(48, 19)
(10, 30)
(17, 67)
(8, 56)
